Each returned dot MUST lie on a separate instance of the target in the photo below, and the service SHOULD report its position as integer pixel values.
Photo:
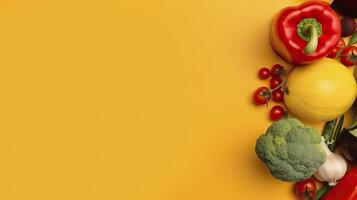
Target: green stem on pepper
(310, 30)
(311, 45)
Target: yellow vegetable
(322, 91)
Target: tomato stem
(282, 84)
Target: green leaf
(353, 39)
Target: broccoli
(291, 150)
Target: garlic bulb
(333, 169)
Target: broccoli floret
(291, 150)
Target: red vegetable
(264, 73)
(349, 56)
(275, 82)
(278, 95)
(346, 188)
(277, 70)
(305, 190)
(338, 49)
(277, 112)
(261, 96)
(305, 33)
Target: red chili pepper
(305, 33)
(346, 189)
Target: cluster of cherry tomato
(347, 54)
(263, 95)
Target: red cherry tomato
(276, 113)
(277, 70)
(275, 82)
(338, 49)
(334, 52)
(278, 95)
(261, 96)
(305, 190)
(264, 73)
(349, 56)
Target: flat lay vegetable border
(318, 40)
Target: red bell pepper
(346, 189)
(305, 33)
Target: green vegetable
(332, 131)
(320, 192)
(291, 150)
(353, 39)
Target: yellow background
(134, 99)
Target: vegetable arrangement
(263, 95)
(320, 87)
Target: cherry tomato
(334, 52)
(264, 73)
(305, 190)
(276, 113)
(338, 49)
(349, 56)
(261, 96)
(275, 82)
(278, 95)
(277, 70)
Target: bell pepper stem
(311, 45)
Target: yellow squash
(320, 91)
